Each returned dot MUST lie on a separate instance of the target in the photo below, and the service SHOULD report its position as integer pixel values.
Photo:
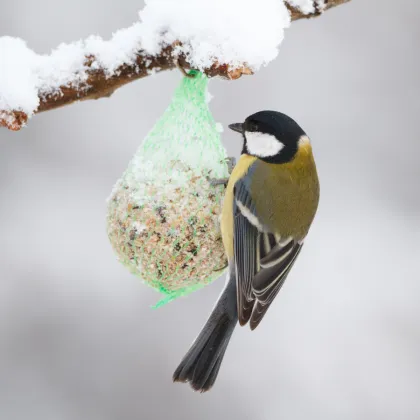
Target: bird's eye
(252, 126)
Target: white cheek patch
(262, 145)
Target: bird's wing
(246, 237)
(268, 281)
(263, 259)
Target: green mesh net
(163, 214)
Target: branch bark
(99, 85)
(328, 4)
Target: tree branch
(99, 85)
(328, 4)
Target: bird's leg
(214, 182)
(231, 161)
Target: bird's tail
(201, 364)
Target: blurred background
(78, 339)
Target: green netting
(163, 215)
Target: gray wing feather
(268, 282)
(262, 259)
(246, 263)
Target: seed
(179, 244)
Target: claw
(231, 162)
(222, 268)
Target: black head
(271, 136)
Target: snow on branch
(225, 39)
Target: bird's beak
(238, 127)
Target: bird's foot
(231, 162)
(214, 182)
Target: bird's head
(271, 136)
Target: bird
(269, 205)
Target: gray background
(77, 337)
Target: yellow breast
(286, 196)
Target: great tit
(270, 202)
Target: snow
(17, 82)
(307, 6)
(63, 66)
(233, 32)
(121, 49)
